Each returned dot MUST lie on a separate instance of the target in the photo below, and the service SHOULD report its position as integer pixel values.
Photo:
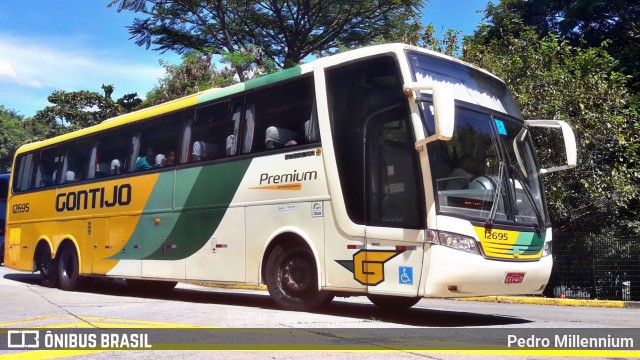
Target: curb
(554, 301)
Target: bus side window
(109, 155)
(155, 143)
(23, 178)
(212, 132)
(76, 161)
(280, 116)
(49, 168)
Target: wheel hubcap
(295, 275)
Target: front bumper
(454, 273)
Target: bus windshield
(488, 169)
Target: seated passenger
(145, 162)
(115, 167)
(160, 160)
(203, 151)
(230, 145)
(276, 137)
(70, 176)
(171, 159)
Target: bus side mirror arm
(443, 108)
(569, 142)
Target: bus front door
(393, 210)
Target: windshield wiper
(494, 206)
(540, 225)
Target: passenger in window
(160, 160)
(171, 159)
(115, 167)
(230, 144)
(203, 150)
(70, 176)
(277, 137)
(146, 162)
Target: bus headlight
(459, 242)
(546, 250)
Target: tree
(552, 79)
(73, 110)
(584, 23)
(195, 73)
(281, 31)
(13, 135)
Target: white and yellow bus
(390, 171)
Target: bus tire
(68, 269)
(292, 279)
(393, 302)
(47, 267)
(151, 285)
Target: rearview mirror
(443, 109)
(569, 142)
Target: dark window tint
(391, 168)
(49, 169)
(366, 103)
(75, 162)
(213, 131)
(280, 116)
(109, 155)
(23, 173)
(155, 144)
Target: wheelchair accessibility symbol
(406, 275)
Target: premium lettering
(288, 178)
(94, 198)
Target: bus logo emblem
(367, 266)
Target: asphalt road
(104, 304)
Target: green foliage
(73, 110)
(552, 79)
(12, 135)
(409, 30)
(282, 32)
(195, 73)
(584, 23)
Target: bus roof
(217, 93)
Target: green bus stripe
(196, 217)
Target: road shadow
(416, 316)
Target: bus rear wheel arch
(292, 279)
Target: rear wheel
(68, 269)
(292, 279)
(47, 267)
(393, 302)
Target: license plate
(514, 278)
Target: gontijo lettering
(94, 198)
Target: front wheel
(393, 302)
(292, 279)
(68, 269)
